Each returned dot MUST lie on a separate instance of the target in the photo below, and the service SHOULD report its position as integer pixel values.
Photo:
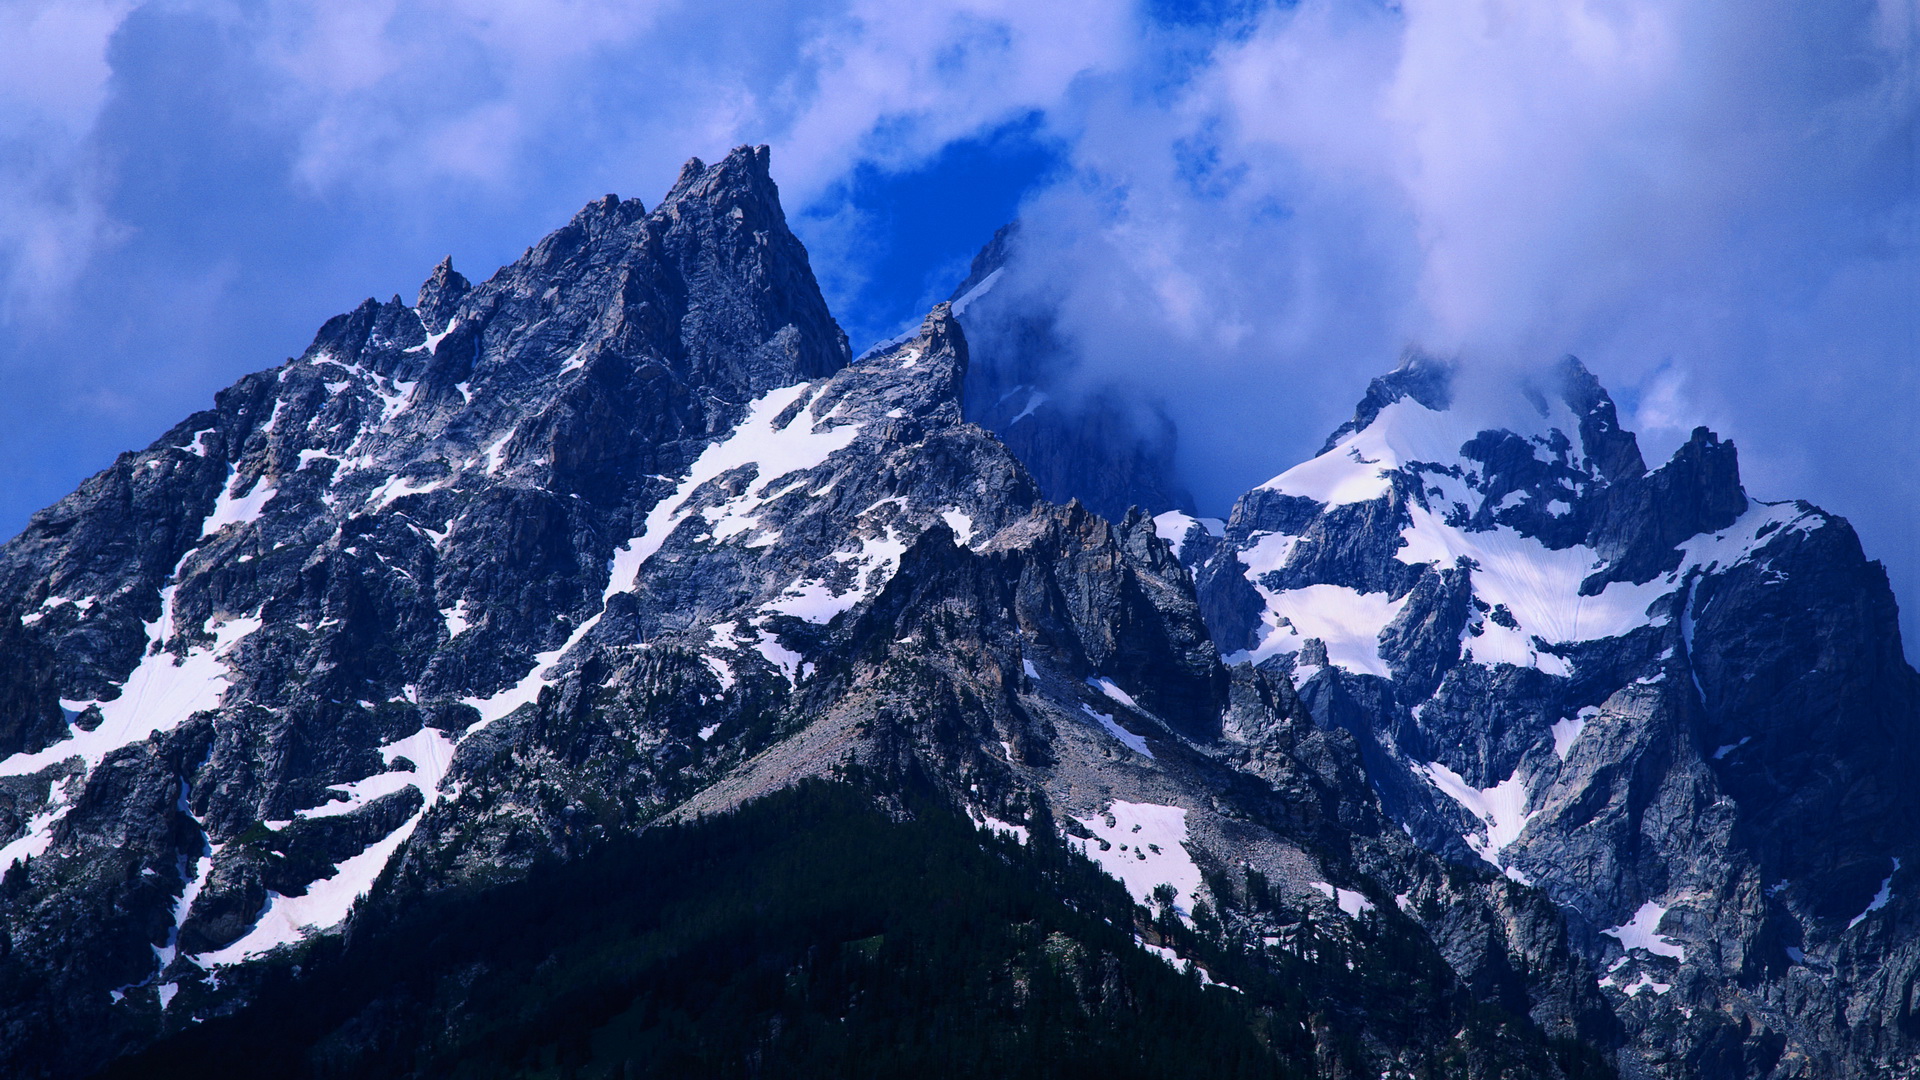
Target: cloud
(394, 102)
(1713, 202)
(53, 81)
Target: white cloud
(893, 83)
(53, 81)
(392, 100)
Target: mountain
(597, 671)
(1683, 713)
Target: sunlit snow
(1346, 620)
(160, 694)
(1502, 810)
(778, 451)
(231, 509)
(1132, 742)
(1539, 587)
(1639, 932)
(1146, 847)
(1566, 732)
(1349, 901)
(329, 900)
(1107, 687)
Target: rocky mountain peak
(440, 294)
(1533, 639)
(1421, 378)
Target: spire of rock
(440, 294)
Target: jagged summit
(1588, 675)
(1541, 499)
(440, 294)
(293, 598)
(1425, 379)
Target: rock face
(1528, 761)
(1682, 713)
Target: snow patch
(1132, 742)
(1000, 828)
(33, 843)
(433, 340)
(778, 452)
(1175, 527)
(1639, 932)
(1348, 621)
(959, 522)
(496, 451)
(777, 654)
(1566, 731)
(160, 694)
(1641, 983)
(457, 619)
(722, 671)
(1502, 808)
(1879, 899)
(399, 487)
(1145, 847)
(815, 602)
(1349, 901)
(430, 750)
(1183, 965)
(1720, 753)
(231, 509)
(1107, 687)
(527, 690)
(328, 901)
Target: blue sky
(1244, 209)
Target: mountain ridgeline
(598, 671)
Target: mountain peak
(744, 175)
(440, 294)
(1420, 377)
